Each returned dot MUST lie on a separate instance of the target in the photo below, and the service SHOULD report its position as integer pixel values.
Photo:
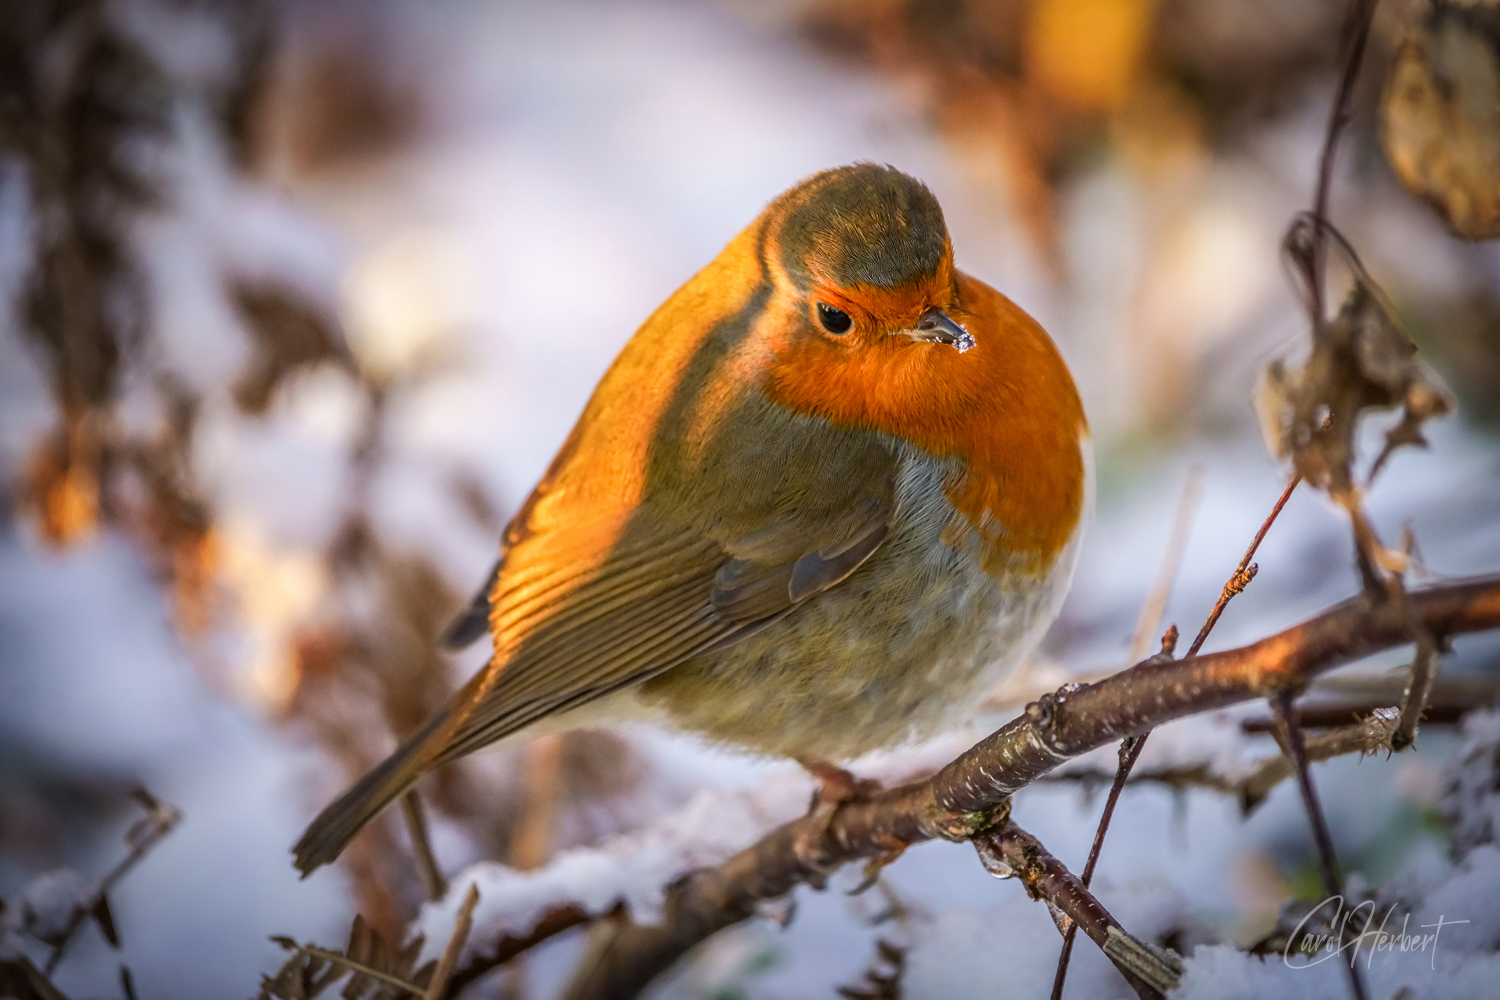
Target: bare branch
(1418, 690)
(1012, 852)
(1289, 735)
(1245, 571)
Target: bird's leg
(836, 786)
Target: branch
(971, 794)
(1289, 735)
(437, 987)
(1012, 851)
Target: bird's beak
(937, 327)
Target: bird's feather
(608, 602)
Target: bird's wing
(588, 607)
(585, 611)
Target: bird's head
(861, 261)
(869, 324)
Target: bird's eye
(833, 320)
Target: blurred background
(298, 299)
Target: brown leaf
(1360, 360)
(1440, 116)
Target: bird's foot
(836, 788)
(836, 785)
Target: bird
(825, 498)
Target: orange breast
(1007, 410)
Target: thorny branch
(1372, 734)
(971, 795)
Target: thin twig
(1368, 736)
(1418, 690)
(1175, 778)
(143, 835)
(1011, 852)
(437, 986)
(1352, 50)
(1130, 750)
(421, 846)
(1245, 571)
(971, 795)
(1439, 711)
(552, 923)
(1131, 747)
(1289, 734)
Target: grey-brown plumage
(715, 550)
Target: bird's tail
(336, 825)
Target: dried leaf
(1360, 360)
(1440, 116)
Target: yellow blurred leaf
(1087, 52)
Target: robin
(827, 495)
